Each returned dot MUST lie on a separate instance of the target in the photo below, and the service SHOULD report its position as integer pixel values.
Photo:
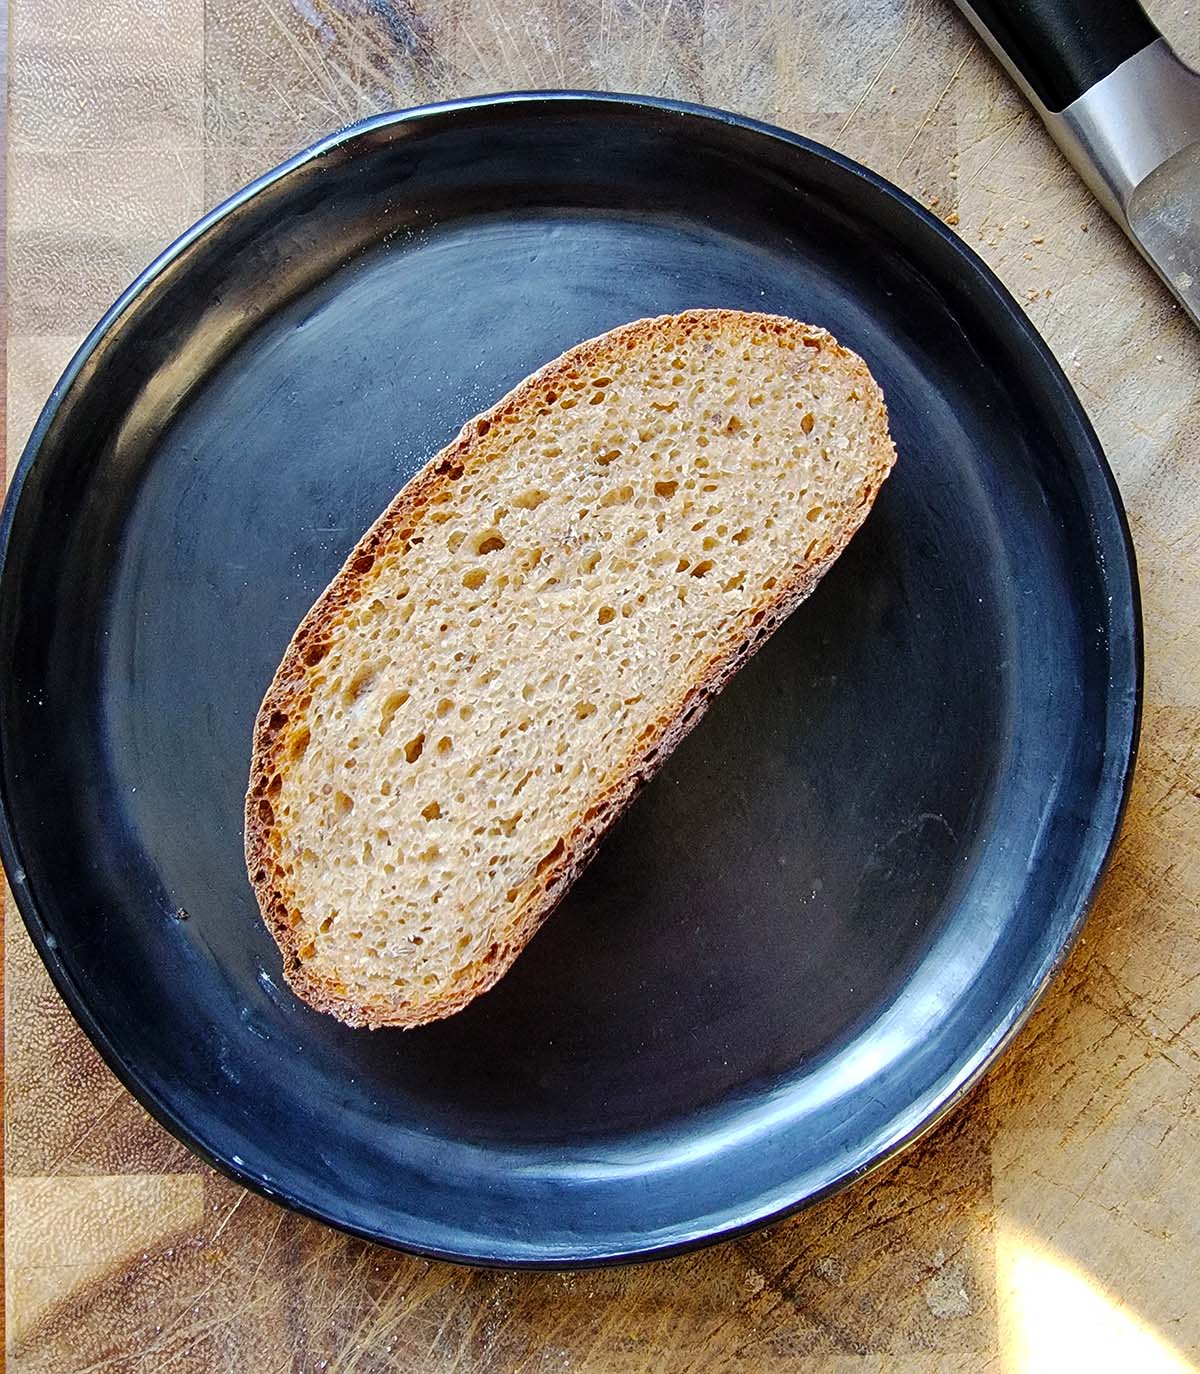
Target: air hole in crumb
(806, 423)
(606, 614)
(342, 804)
(531, 499)
(308, 951)
(584, 709)
(299, 743)
(431, 812)
(555, 854)
(359, 685)
(618, 496)
(474, 579)
(490, 541)
(445, 744)
(413, 749)
(665, 488)
(392, 703)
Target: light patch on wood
(65, 1232)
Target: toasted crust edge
(645, 758)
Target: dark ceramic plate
(822, 921)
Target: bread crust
(645, 757)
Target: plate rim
(937, 1103)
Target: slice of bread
(524, 635)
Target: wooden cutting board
(1053, 1221)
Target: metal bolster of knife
(1134, 138)
(1129, 124)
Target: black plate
(818, 926)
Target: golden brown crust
(646, 756)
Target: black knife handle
(1063, 47)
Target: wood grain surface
(1053, 1222)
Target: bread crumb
(952, 217)
(946, 1293)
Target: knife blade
(1164, 222)
(1123, 107)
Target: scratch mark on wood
(904, 37)
(81, 1139)
(228, 1217)
(933, 109)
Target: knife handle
(1058, 49)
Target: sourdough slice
(525, 634)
